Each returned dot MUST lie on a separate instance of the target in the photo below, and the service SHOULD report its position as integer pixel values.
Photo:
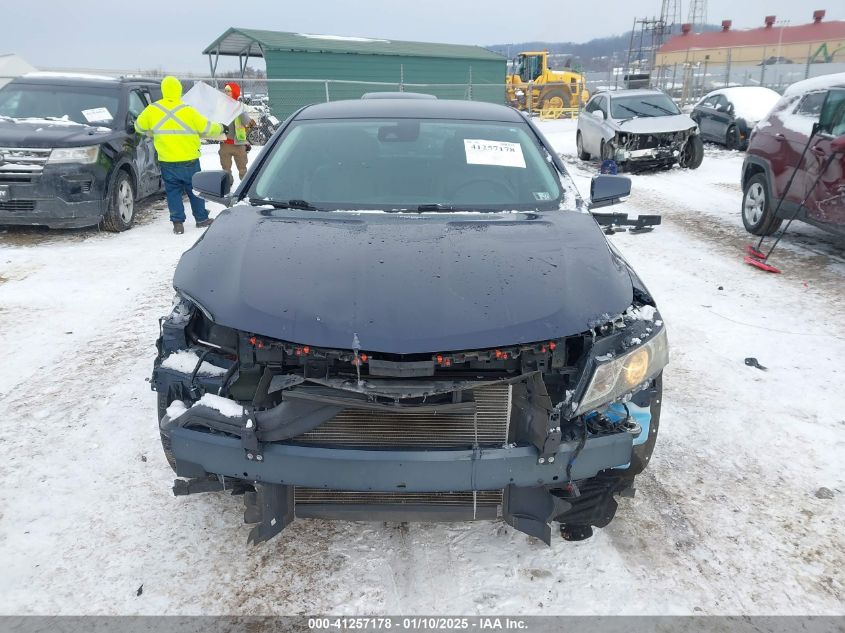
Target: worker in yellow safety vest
(176, 129)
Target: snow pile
(58, 75)
(751, 103)
(643, 313)
(185, 360)
(65, 120)
(797, 123)
(229, 408)
(815, 83)
(176, 408)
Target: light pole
(782, 24)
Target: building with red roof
(818, 41)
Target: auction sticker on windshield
(97, 115)
(500, 153)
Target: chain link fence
(688, 82)
(685, 82)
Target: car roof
(633, 92)
(822, 82)
(79, 79)
(411, 109)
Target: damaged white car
(639, 129)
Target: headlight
(615, 377)
(85, 155)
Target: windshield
(643, 105)
(403, 164)
(92, 106)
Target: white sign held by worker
(500, 153)
(213, 104)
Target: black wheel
(693, 153)
(121, 212)
(607, 150)
(165, 441)
(757, 208)
(256, 137)
(579, 144)
(732, 140)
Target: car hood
(46, 133)
(405, 283)
(657, 124)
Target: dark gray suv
(69, 154)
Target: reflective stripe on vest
(240, 130)
(170, 115)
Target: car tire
(165, 441)
(121, 210)
(732, 140)
(757, 210)
(579, 144)
(692, 153)
(607, 151)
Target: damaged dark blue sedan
(407, 313)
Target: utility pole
(697, 13)
(782, 24)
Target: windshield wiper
(636, 112)
(447, 208)
(286, 204)
(662, 109)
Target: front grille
(480, 499)
(23, 160)
(17, 206)
(10, 176)
(649, 141)
(354, 428)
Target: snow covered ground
(733, 515)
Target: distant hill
(598, 54)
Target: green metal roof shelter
(305, 68)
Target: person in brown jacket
(235, 146)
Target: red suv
(774, 150)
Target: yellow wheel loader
(552, 93)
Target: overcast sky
(171, 34)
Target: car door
(825, 171)
(797, 125)
(721, 119)
(600, 125)
(144, 156)
(588, 124)
(703, 115)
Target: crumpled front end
(533, 433)
(643, 150)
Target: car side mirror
(598, 114)
(213, 185)
(606, 190)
